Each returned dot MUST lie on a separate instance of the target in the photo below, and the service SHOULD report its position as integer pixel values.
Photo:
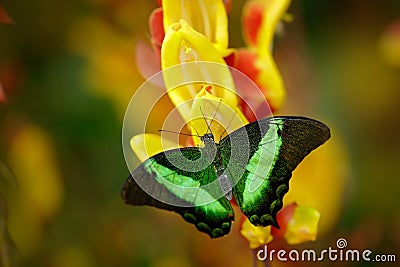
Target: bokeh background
(68, 71)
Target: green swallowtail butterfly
(254, 164)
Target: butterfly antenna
(229, 125)
(204, 117)
(215, 114)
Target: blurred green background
(68, 71)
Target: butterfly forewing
(276, 146)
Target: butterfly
(253, 164)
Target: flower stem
(255, 259)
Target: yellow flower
(270, 76)
(256, 235)
(303, 226)
(206, 105)
(221, 119)
(40, 190)
(203, 65)
(147, 145)
(207, 17)
(259, 33)
(198, 82)
(298, 224)
(273, 12)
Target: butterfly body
(254, 164)
(223, 180)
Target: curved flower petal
(274, 11)
(208, 17)
(270, 80)
(270, 77)
(228, 5)
(251, 21)
(148, 145)
(264, 72)
(148, 61)
(256, 235)
(156, 28)
(303, 226)
(182, 44)
(260, 19)
(283, 218)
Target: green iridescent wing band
(160, 183)
(277, 146)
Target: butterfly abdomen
(224, 183)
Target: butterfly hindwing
(161, 182)
(276, 146)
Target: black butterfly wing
(275, 147)
(183, 181)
